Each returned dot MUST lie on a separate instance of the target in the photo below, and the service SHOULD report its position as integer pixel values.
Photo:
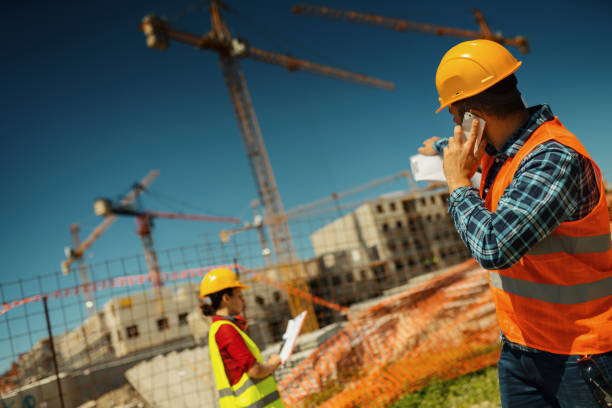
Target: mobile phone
(466, 126)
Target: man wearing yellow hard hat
(243, 379)
(538, 222)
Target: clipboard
(294, 326)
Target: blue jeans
(539, 379)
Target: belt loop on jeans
(504, 340)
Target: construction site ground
(124, 397)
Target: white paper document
(429, 168)
(294, 326)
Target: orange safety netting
(441, 328)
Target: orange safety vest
(558, 296)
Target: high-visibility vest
(558, 296)
(247, 392)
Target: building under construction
(384, 243)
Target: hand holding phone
(466, 126)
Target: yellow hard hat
(218, 279)
(470, 67)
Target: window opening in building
(385, 227)
(380, 273)
(392, 206)
(379, 209)
(409, 206)
(132, 331)
(182, 319)
(162, 324)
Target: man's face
(235, 302)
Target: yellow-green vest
(248, 392)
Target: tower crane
(76, 252)
(303, 210)
(83, 273)
(337, 196)
(403, 25)
(230, 50)
(225, 235)
(144, 219)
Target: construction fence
(395, 303)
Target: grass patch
(461, 392)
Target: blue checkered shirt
(553, 184)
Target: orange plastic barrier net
(442, 328)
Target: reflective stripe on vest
(247, 392)
(265, 401)
(224, 392)
(572, 245)
(569, 295)
(558, 296)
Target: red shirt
(236, 356)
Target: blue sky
(88, 109)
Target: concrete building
(84, 345)
(383, 243)
(143, 320)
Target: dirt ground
(124, 397)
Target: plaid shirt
(552, 185)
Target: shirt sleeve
(541, 196)
(229, 340)
(440, 144)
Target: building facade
(383, 243)
(144, 320)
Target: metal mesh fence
(396, 301)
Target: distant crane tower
(305, 210)
(76, 252)
(258, 223)
(84, 280)
(403, 25)
(158, 34)
(144, 219)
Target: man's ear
(479, 113)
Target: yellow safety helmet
(470, 67)
(218, 279)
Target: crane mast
(158, 35)
(267, 190)
(144, 231)
(84, 280)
